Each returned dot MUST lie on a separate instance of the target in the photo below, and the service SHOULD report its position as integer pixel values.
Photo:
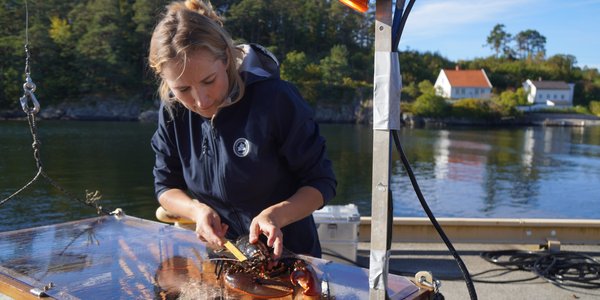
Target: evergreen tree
(499, 40)
(530, 43)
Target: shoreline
(529, 119)
(133, 112)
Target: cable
(438, 228)
(397, 33)
(398, 23)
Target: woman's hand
(264, 224)
(208, 226)
(270, 221)
(208, 222)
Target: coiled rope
(563, 268)
(31, 107)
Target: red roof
(467, 78)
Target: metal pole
(384, 119)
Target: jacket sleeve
(167, 170)
(302, 146)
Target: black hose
(397, 33)
(438, 228)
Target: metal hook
(28, 89)
(24, 103)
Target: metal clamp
(424, 279)
(41, 292)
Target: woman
(237, 149)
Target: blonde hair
(188, 26)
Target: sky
(458, 29)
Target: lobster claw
(256, 287)
(303, 274)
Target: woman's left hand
(264, 224)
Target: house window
(555, 97)
(562, 97)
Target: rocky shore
(529, 119)
(358, 112)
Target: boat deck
(409, 258)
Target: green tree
(595, 107)
(335, 66)
(293, 68)
(429, 104)
(60, 30)
(499, 39)
(530, 43)
(562, 66)
(508, 101)
(416, 66)
(106, 46)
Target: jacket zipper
(242, 228)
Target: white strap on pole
(378, 269)
(386, 94)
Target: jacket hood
(257, 64)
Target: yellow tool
(235, 251)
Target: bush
(474, 108)
(507, 102)
(430, 105)
(595, 107)
(577, 109)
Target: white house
(544, 93)
(459, 84)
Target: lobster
(261, 276)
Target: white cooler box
(337, 226)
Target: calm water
(531, 172)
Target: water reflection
(470, 172)
(499, 172)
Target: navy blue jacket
(256, 152)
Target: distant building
(459, 84)
(542, 93)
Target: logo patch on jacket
(241, 147)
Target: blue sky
(458, 29)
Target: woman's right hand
(208, 225)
